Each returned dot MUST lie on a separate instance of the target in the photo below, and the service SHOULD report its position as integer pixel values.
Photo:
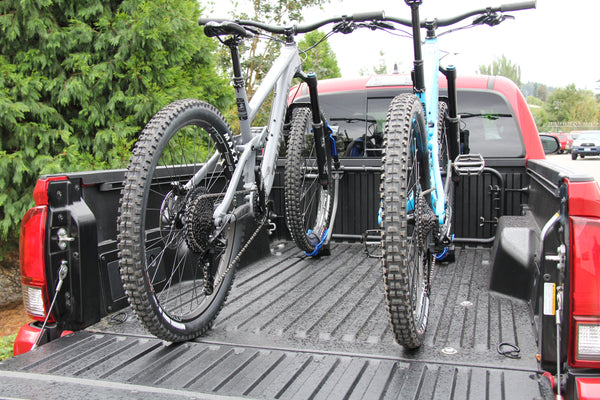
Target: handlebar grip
(525, 5)
(368, 16)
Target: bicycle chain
(425, 222)
(430, 274)
(223, 194)
(241, 252)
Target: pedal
(469, 164)
(371, 240)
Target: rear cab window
(358, 121)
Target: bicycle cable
(324, 38)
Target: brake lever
(491, 19)
(382, 24)
(344, 27)
(505, 17)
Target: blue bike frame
(426, 81)
(430, 99)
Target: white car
(586, 144)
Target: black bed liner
(301, 328)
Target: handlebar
(453, 20)
(364, 17)
(296, 29)
(503, 8)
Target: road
(590, 165)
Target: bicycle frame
(431, 98)
(426, 86)
(278, 80)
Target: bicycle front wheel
(445, 162)
(406, 220)
(308, 205)
(176, 269)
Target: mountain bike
(195, 195)
(422, 150)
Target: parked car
(586, 144)
(565, 140)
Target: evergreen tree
(79, 80)
(504, 67)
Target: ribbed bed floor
(301, 328)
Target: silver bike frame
(278, 80)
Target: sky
(556, 44)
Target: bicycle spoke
(158, 214)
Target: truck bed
(301, 328)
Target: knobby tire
(164, 236)
(405, 175)
(308, 205)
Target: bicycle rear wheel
(407, 220)
(308, 205)
(176, 270)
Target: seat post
(239, 86)
(419, 74)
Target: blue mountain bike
(421, 153)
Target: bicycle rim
(167, 236)
(445, 163)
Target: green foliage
(258, 56)
(571, 104)
(79, 80)
(281, 11)
(504, 67)
(541, 92)
(6, 346)
(320, 59)
(565, 109)
(559, 107)
(536, 106)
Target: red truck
(515, 316)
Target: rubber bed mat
(301, 328)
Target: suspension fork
(323, 141)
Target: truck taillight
(32, 245)
(585, 292)
(587, 346)
(33, 267)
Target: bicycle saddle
(213, 28)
